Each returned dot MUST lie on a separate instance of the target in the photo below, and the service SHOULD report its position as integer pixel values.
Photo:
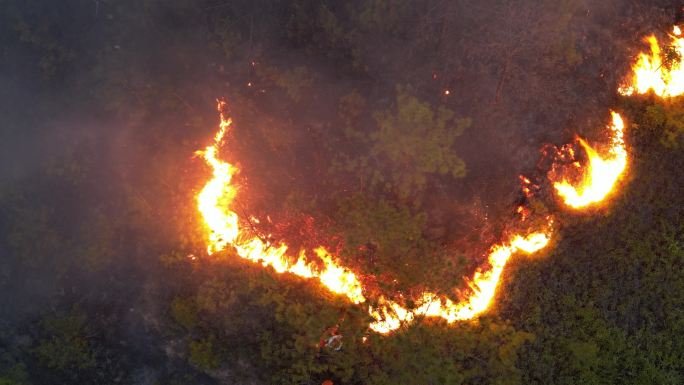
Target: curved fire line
(579, 186)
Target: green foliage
(566, 50)
(564, 47)
(65, 345)
(460, 354)
(95, 250)
(412, 143)
(418, 140)
(184, 312)
(274, 325)
(604, 307)
(669, 122)
(215, 296)
(204, 354)
(12, 373)
(400, 250)
(605, 304)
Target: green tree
(65, 345)
(417, 140)
(12, 373)
(398, 256)
(412, 141)
(204, 354)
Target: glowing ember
(390, 315)
(660, 71)
(601, 173)
(223, 224)
(224, 230)
(214, 203)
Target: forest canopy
(392, 132)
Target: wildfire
(390, 315)
(660, 71)
(214, 199)
(600, 175)
(214, 203)
(224, 230)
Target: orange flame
(660, 71)
(601, 173)
(214, 203)
(390, 315)
(656, 71)
(224, 230)
(214, 199)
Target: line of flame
(214, 203)
(651, 72)
(390, 315)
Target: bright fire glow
(390, 315)
(601, 173)
(224, 230)
(223, 224)
(660, 70)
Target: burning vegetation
(660, 71)
(596, 181)
(398, 192)
(214, 203)
(577, 185)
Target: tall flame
(660, 70)
(214, 203)
(601, 174)
(216, 196)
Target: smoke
(103, 103)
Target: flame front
(215, 199)
(660, 70)
(601, 174)
(214, 204)
(389, 315)
(223, 225)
